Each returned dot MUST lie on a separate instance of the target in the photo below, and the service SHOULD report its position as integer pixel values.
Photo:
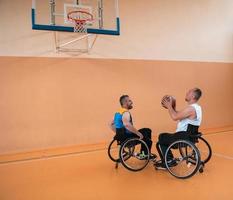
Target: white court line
(50, 157)
(219, 154)
(223, 156)
(217, 133)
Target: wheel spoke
(184, 156)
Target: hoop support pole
(75, 40)
(52, 11)
(90, 47)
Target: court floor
(92, 175)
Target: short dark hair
(197, 93)
(122, 99)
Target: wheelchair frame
(199, 164)
(129, 144)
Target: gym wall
(51, 100)
(55, 102)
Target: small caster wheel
(201, 170)
(116, 166)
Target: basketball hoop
(80, 19)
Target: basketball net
(80, 19)
(80, 27)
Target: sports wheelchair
(128, 151)
(189, 155)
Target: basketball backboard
(52, 15)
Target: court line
(219, 155)
(52, 156)
(216, 133)
(223, 156)
(97, 150)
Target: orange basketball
(169, 98)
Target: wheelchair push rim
(131, 156)
(182, 165)
(204, 149)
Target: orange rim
(79, 20)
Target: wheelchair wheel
(131, 155)
(204, 149)
(113, 151)
(184, 161)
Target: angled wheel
(204, 149)
(113, 151)
(184, 161)
(134, 154)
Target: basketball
(169, 98)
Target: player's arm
(179, 115)
(112, 125)
(129, 126)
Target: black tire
(209, 155)
(201, 170)
(189, 152)
(133, 145)
(114, 146)
(110, 154)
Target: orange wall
(52, 102)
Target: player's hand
(167, 101)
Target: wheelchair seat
(193, 133)
(120, 135)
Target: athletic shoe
(142, 156)
(161, 165)
(172, 163)
(152, 157)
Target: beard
(130, 107)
